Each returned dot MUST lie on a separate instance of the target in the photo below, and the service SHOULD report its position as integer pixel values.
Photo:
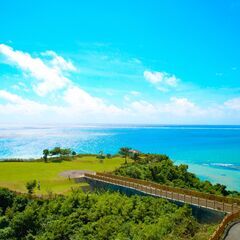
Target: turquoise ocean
(212, 152)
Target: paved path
(75, 173)
(234, 232)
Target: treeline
(159, 168)
(96, 216)
(58, 152)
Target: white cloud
(143, 108)
(49, 78)
(21, 86)
(10, 97)
(135, 93)
(153, 77)
(171, 81)
(126, 98)
(162, 80)
(233, 103)
(74, 105)
(77, 106)
(17, 105)
(183, 107)
(174, 107)
(73, 101)
(132, 95)
(59, 62)
(83, 102)
(182, 102)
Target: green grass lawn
(14, 175)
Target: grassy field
(14, 175)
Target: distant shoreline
(120, 125)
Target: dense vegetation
(160, 169)
(96, 216)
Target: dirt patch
(75, 173)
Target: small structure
(134, 151)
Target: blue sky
(173, 62)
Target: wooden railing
(218, 234)
(179, 190)
(218, 203)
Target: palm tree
(45, 154)
(124, 151)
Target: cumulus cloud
(73, 100)
(77, 106)
(83, 102)
(143, 108)
(48, 74)
(132, 95)
(233, 104)
(183, 107)
(162, 80)
(171, 108)
(49, 78)
(135, 93)
(16, 105)
(59, 62)
(21, 86)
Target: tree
(101, 156)
(45, 154)
(135, 156)
(124, 151)
(74, 153)
(31, 185)
(65, 151)
(55, 151)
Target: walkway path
(230, 206)
(203, 200)
(233, 232)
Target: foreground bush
(94, 216)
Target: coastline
(211, 151)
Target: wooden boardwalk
(209, 201)
(230, 206)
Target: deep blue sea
(212, 152)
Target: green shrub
(31, 185)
